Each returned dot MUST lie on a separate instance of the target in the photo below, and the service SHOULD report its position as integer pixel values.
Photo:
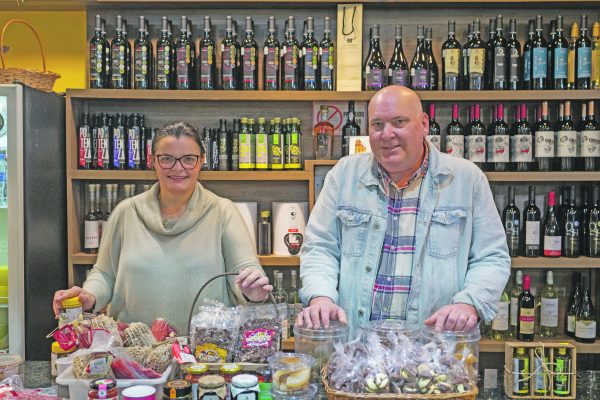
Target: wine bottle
(224, 146)
(350, 128)
(206, 59)
(571, 228)
(574, 303)
(500, 61)
(134, 135)
(531, 215)
(451, 60)
(142, 58)
(420, 72)
(549, 308)
(583, 57)
(498, 142)
(104, 144)
(120, 144)
(433, 67)
(489, 55)
(563, 371)
(589, 139)
(585, 321)
(521, 386)
(98, 44)
(84, 141)
(596, 56)
(511, 218)
(544, 141)
(118, 56)
(464, 82)
(262, 145)
(566, 145)
(572, 59)
(476, 60)
(323, 136)
(276, 143)
(455, 139)
(514, 57)
(91, 225)
(229, 58)
(521, 141)
(550, 64)
(434, 128)
(249, 58)
(164, 58)
(271, 49)
(247, 143)
(183, 59)
(560, 58)
(293, 146)
(593, 226)
(539, 58)
(398, 70)
(310, 54)
(526, 313)
(552, 238)
(127, 55)
(500, 322)
(291, 78)
(327, 56)
(514, 303)
(374, 68)
(475, 140)
(527, 54)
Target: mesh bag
(108, 323)
(159, 358)
(137, 353)
(138, 334)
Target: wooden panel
(551, 263)
(204, 175)
(267, 261)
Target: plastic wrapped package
(259, 332)
(12, 388)
(214, 331)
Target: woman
(161, 246)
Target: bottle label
(521, 148)
(552, 246)
(118, 61)
(141, 63)
(375, 78)
(245, 151)
(526, 320)
(532, 233)
(420, 78)
(475, 150)
(585, 329)
(290, 63)
(455, 145)
(561, 57)
(521, 381)
(249, 66)
(262, 153)
(435, 140)
(549, 313)
(163, 67)
(544, 144)
(514, 311)
(229, 57)
(571, 65)
(500, 64)
(589, 143)
(96, 57)
(277, 152)
(103, 149)
(476, 61)
(584, 62)
(149, 165)
(271, 64)
(223, 154)
(513, 69)
(133, 159)
(92, 234)
(500, 323)
(566, 144)
(540, 62)
(562, 377)
(498, 148)
(511, 229)
(293, 151)
(85, 147)
(327, 64)
(527, 66)
(451, 61)
(183, 63)
(311, 63)
(206, 62)
(118, 148)
(398, 77)
(571, 323)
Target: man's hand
(253, 284)
(454, 317)
(321, 309)
(87, 299)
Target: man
(405, 232)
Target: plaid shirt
(394, 276)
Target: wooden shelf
(491, 346)
(581, 176)
(265, 261)
(204, 175)
(278, 96)
(554, 263)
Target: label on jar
(455, 145)
(566, 144)
(589, 143)
(476, 148)
(498, 148)
(585, 329)
(500, 323)
(549, 314)
(521, 148)
(544, 144)
(262, 338)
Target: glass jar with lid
(309, 394)
(56, 353)
(291, 372)
(194, 373)
(71, 309)
(244, 387)
(384, 326)
(103, 389)
(228, 371)
(212, 387)
(177, 390)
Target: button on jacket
(461, 254)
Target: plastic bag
(260, 332)
(346, 367)
(95, 362)
(376, 378)
(12, 388)
(162, 329)
(214, 331)
(129, 369)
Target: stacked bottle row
(522, 315)
(178, 64)
(289, 296)
(566, 230)
(501, 63)
(542, 371)
(527, 145)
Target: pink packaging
(139, 392)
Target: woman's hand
(87, 299)
(253, 284)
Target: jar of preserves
(212, 387)
(70, 310)
(103, 389)
(177, 390)
(228, 371)
(57, 353)
(194, 373)
(291, 372)
(244, 387)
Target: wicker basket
(42, 80)
(338, 395)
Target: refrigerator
(33, 226)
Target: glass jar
(56, 353)
(212, 387)
(384, 326)
(71, 309)
(194, 373)
(103, 389)
(319, 344)
(309, 394)
(228, 371)
(291, 372)
(178, 390)
(244, 387)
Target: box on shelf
(535, 375)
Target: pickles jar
(319, 344)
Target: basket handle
(10, 22)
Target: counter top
(36, 374)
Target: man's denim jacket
(461, 254)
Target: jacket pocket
(355, 228)
(445, 231)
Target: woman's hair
(178, 129)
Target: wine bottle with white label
(521, 141)
(511, 218)
(500, 322)
(549, 308)
(498, 142)
(514, 303)
(92, 221)
(589, 139)
(531, 217)
(434, 128)
(585, 322)
(574, 303)
(455, 139)
(475, 139)
(544, 141)
(566, 140)
(552, 238)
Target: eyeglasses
(166, 161)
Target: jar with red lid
(103, 389)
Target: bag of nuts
(214, 331)
(260, 332)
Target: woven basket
(338, 395)
(42, 80)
